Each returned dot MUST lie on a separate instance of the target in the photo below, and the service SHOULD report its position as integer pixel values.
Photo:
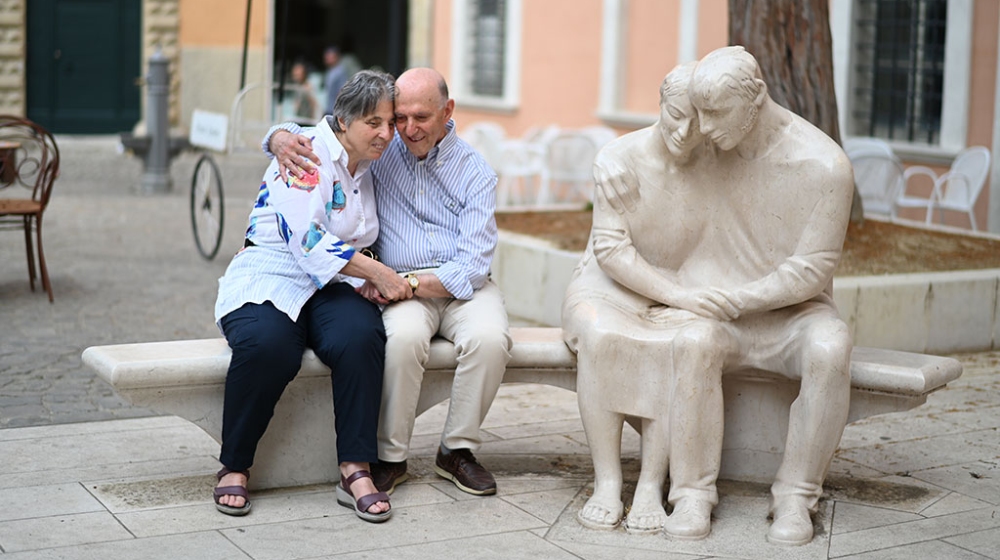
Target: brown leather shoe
(387, 475)
(461, 467)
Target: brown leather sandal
(360, 506)
(240, 491)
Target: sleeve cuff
(289, 126)
(454, 281)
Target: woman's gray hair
(361, 95)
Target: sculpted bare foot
(646, 514)
(601, 512)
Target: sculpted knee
(829, 350)
(830, 343)
(701, 342)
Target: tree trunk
(791, 41)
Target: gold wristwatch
(414, 282)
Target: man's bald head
(424, 81)
(423, 109)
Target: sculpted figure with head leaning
(613, 316)
(729, 261)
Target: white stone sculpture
(705, 259)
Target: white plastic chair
(861, 146)
(956, 190)
(541, 134)
(879, 178)
(487, 138)
(599, 135)
(521, 167)
(569, 161)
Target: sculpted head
(727, 91)
(678, 122)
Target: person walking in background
(336, 77)
(304, 104)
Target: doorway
(83, 60)
(369, 34)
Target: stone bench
(186, 378)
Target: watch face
(414, 282)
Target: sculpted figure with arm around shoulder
(777, 204)
(614, 312)
(436, 199)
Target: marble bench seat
(186, 378)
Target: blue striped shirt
(435, 213)
(304, 232)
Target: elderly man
(436, 199)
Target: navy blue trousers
(346, 333)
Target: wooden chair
(29, 165)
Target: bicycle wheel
(207, 209)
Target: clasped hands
(710, 303)
(386, 289)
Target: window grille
(899, 69)
(486, 36)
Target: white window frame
(957, 74)
(461, 50)
(615, 16)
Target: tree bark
(792, 43)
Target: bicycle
(208, 130)
(211, 131)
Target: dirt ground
(871, 248)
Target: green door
(83, 60)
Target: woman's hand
(370, 292)
(391, 286)
(294, 153)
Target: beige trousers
(480, 332)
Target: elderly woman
(297, 284)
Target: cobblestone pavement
(123, 267)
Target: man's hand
(390, 285)
(617, 183)
(294, 153)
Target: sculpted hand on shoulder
(617, 183)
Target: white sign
(208, 130)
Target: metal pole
(156, 176)
(283, 41)
(246, 42)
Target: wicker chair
(29, 165)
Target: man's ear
(761, 93)
(449, 108)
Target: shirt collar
(337, 151)
(444, 146)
